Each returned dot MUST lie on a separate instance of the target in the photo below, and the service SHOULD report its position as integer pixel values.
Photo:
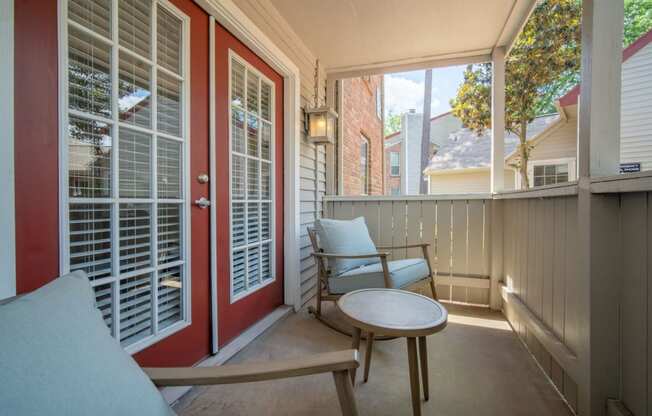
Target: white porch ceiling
(355, 37)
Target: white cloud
(402, 94)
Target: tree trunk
(425, 131)
(525, 156)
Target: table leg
(356, 346)
(423, 358)
(367, 356)
(414, 376)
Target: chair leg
(345, 393)
(433, 289)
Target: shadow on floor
(477, 366)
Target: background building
(362, 136)
(403, 150)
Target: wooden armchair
(324, 292)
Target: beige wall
(561, 142)
(313, 158)
(466, 183)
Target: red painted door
(249, 182)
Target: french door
(249, 175)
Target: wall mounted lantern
(321, 121)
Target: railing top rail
(564, 189)
(434, 197)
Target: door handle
(203, 203)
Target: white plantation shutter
(125, 145)
(135, 17)
(252, 179)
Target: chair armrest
(245, 373)
(405, 246)
(349, 256)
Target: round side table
(395, 313)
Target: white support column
(7, 209)
(498, 120)
(599, 106)
(598, 258)
(331, 149)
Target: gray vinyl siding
(636, 109)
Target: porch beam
(498, 120)
(598, 258)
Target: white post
(599, 114)
(498, 120)
(7, 212)
(331, 154)
(598, 259)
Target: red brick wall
(391, 181)
(359, 119)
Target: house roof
(396, 133)
(571, 96)
(464, 149)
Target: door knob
(203, 203)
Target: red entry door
(249, 182)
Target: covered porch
(554, 280)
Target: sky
(404, 90)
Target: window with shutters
(251, 131)
(124, 144)
(394, 164)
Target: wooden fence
(457, 228)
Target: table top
(393, 312)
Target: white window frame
(570, 161)
(65, 200)
(398, 159)
(272, 241)
(379, 104)
(367, 181)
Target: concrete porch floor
(477, 366)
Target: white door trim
(238, 24)
(7, 213)
(212, 180)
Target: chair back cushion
(57, 357)
(345, 237)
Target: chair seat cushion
(402, 273)
(57, 357)
(349, 237)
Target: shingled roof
(464, 149)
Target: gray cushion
(345, 237)
(57, 357)
(402, 273)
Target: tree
(547, 49)
(392, 123)
(425, 131)
(638, 19)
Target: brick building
(362, 136)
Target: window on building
(252, 179)
(124, 148)
(364, 165)
(379, 103)
(550, 174)
(394, 164)
(395, 190)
